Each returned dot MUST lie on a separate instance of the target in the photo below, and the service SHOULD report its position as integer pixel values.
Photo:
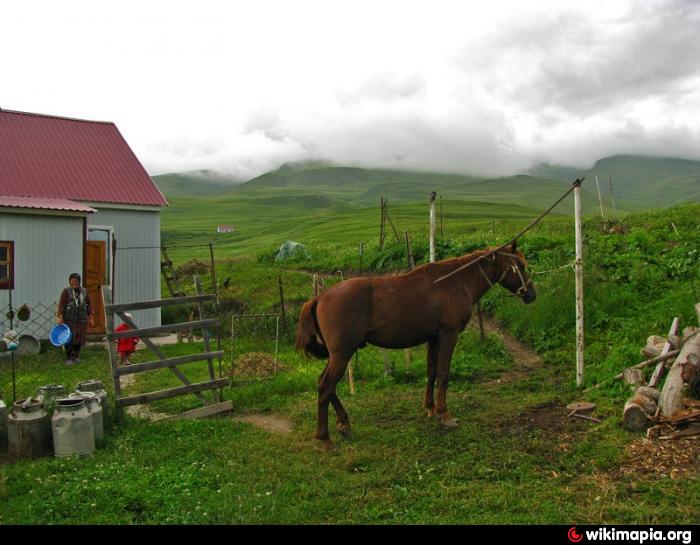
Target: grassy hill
(314, 202)
(194, 184)
(642, 182)
(364, 187)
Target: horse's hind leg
(343, 420)
(326, 394)
(428, 401)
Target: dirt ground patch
(256, 365)
(269, 422)
(525, 359)
(674, 458)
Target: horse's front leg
(432, 358)
(446, 345)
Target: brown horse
(402, 311)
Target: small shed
(224, 228)
(74, 198)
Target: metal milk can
(3, 425)
(95, 407)
(28, 429)
(48, 394)
(98, 387)
(72, 428)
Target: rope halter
(514, 266)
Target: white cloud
(433, 85)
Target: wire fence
(42, 317)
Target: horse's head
(514, 276)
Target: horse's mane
(452, 262)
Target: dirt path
(525, 359)
(269, 422)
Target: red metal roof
(60, 158)
(12, 201)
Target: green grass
(497, 468)
(515, 457)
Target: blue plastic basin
(60, 335)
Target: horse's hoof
(430, 413)
(328, 445)
(344, 428)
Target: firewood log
(633, 377)
(639, 409)
(655, 344)
(686, 369)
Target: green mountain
(194, 184)
(360, 187)
(319, 203)
(641, 182)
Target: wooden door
(95, 277)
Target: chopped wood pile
(672, 412)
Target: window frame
(9, 282)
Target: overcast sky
(489, 87)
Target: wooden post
(578, 269)
(432, 227)
(282, 311)
(213, 276)
(611, 192)
(206, 335)
(409, 252)
(382, 228)
(481, 320)
(109, 324)
(600, 199)
(442, 231)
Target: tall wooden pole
(611, 192)
(382, 233)
(442, 231)
(600, 198)
(432, 227)
(409, 252)
(578, 269)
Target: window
(7, 264)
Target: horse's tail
(308, 330)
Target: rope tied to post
(576, 183)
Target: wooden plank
(172, 392)
(109, 325)
(170, 362)
(201, 412)
(661, 367)
(153, 331)
(158, 352)
(205, 332)
(161, 303)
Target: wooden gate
(211, 406)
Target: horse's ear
(514, 246)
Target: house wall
(137, 259)
(48, 248)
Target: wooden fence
(211, 406)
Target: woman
(75, 310)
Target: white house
(74, 198)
